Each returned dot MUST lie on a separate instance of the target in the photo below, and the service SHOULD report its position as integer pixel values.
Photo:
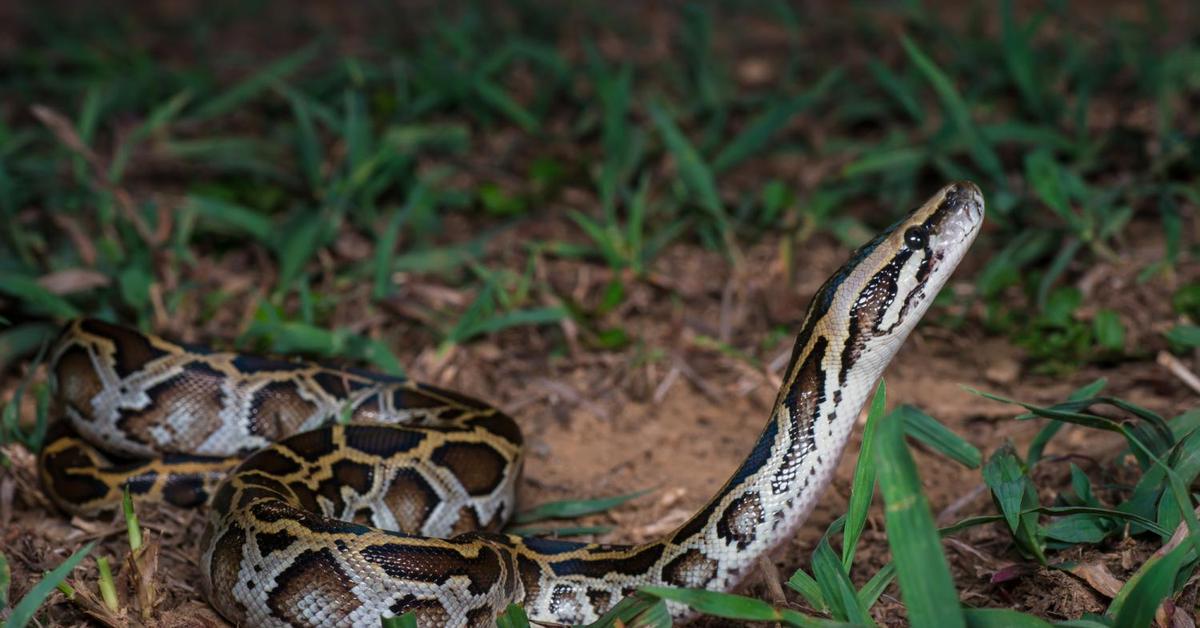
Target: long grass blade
(24, 610)
(925, 582)
(938, 437)
(696, 174)
(640, 610)
(863, 488)
(37, 299)
(251, 87)
(956, 108)
(574, 508)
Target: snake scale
(337, 496)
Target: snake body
(339, 496)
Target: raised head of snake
(287, 541)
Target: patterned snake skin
(339, 496)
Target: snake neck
(773, 491)
(854, 326)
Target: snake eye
(916, 238)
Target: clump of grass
(341, 138)
(119, 598)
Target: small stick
(770, 578)
(1178, 369)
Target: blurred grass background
(310, 151)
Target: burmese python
(328, 459)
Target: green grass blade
(608, 241)
(956, 109)
(1001, 618)
(420, 199)
(292, 337)
(23, 339)
(719, 604)
(925, 582)
(1181, 425)
(1005, 477)
(515, 318)
(869, 594)
(37, 299)
(251, 87)
(132, 527)
(1087, 622)
(1153, 582)
(1019, 59)
(232, 217)
(836, 586)
(614, 90)
(498, 99)
(900, 91)
(806, 586)
(295, 245)
(696, 174)
(886, 160)
(1052, 427)
(5, 580)
(863, 488)
(1045, 177)
(1186, 336)
(759, 131)
(24, 610)
(407, 620)
(640, 610)
(513, 617)
(938, 437)
(157, 119)
(356, 133)
(570, 509)
(1016, 496)
(308, 148)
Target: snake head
(899, 273)
(871, 304)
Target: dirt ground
(601, 423)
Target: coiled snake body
(339, 496)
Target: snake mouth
(959, 215)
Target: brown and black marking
(427, 610)
(628, 561)
(67, 467)
(482, 565)
(567, 604)
(739, 522)
(691, 569)
(477, 465)
(411, 499)
(804, 398)
(224, 573)
(314, 587)
(278, 409)
(131, 351)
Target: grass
(124, 178)
(344, 135)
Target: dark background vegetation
(568, 208)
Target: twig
(770, 578)
(1178, 369)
